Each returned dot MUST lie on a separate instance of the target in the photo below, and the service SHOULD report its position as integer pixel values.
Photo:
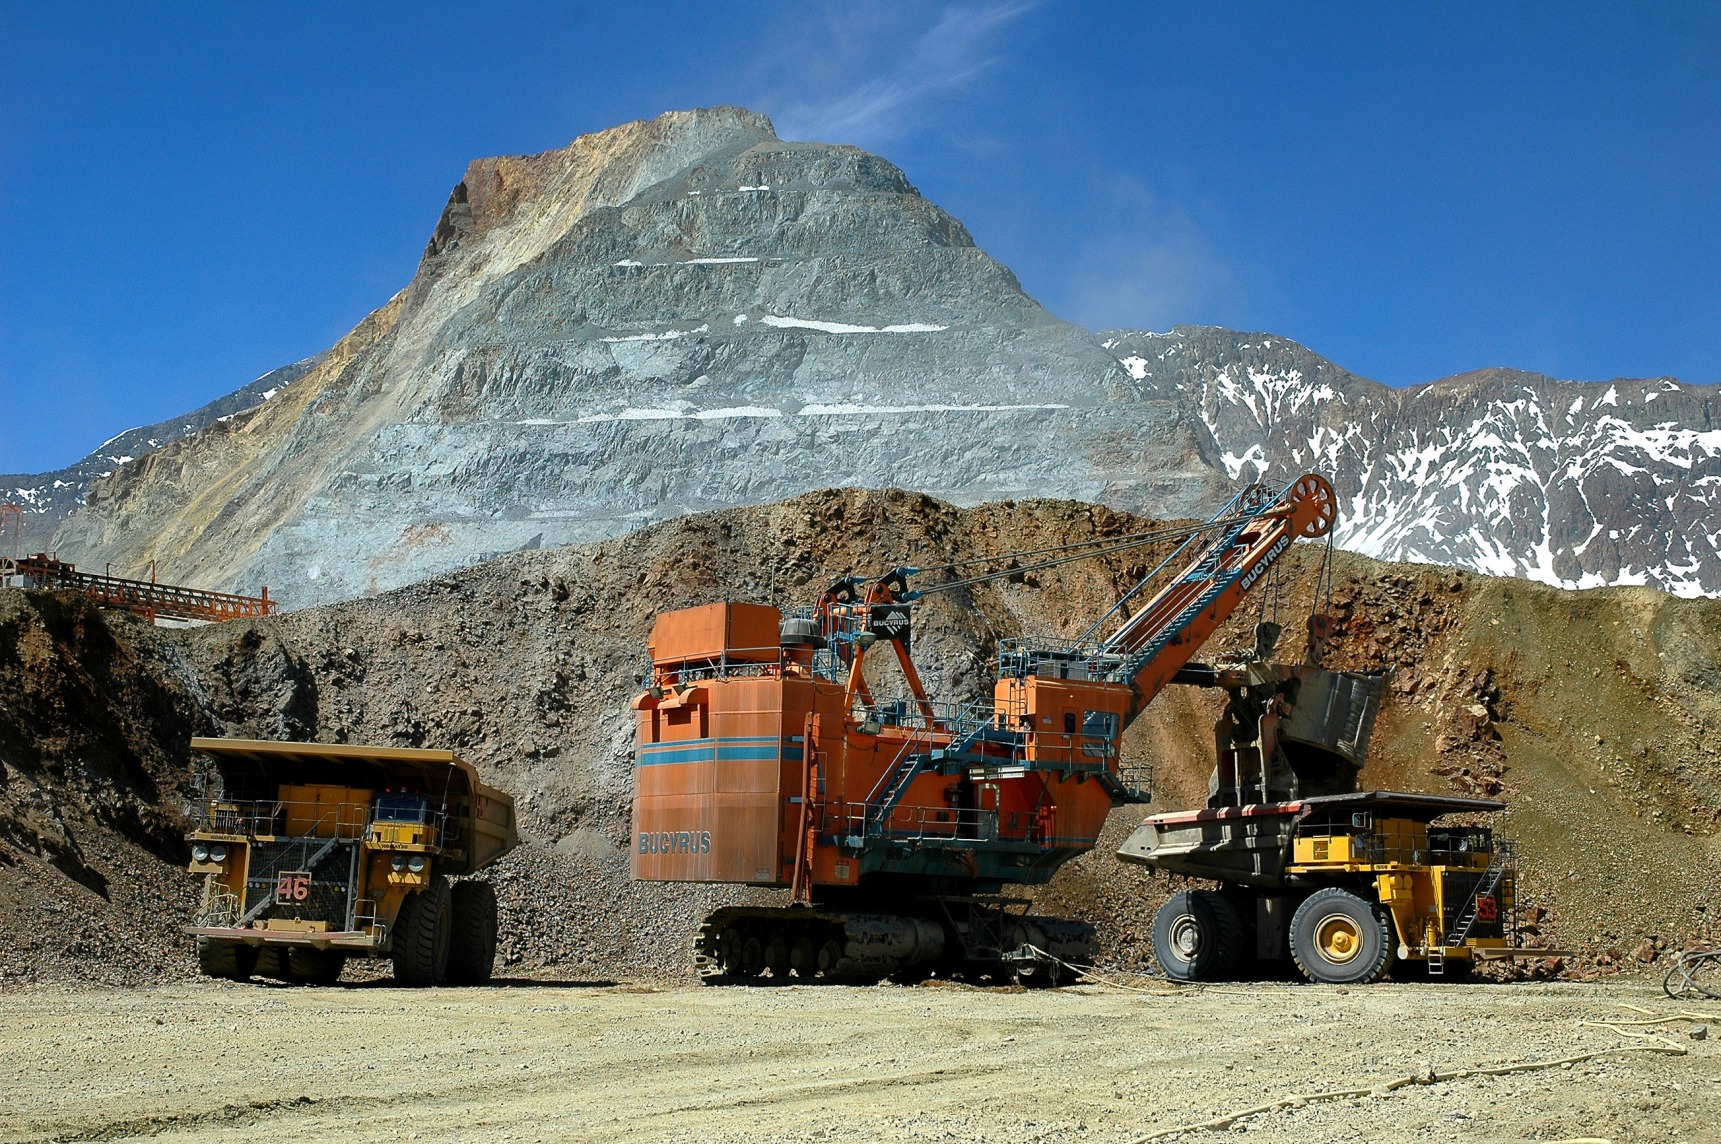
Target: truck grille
(327, 898)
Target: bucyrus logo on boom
(1262, 564)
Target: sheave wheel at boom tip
(1316, 504)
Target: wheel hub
(1186, 937)
(1338, 938)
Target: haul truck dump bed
(315, 852)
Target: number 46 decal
(293, 886)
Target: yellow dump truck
(312, 853)
(1352, 886)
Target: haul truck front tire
(472, 946)
(422, 934)
(1197, 936)
(272, 962)
(1338, 938)
(232, 960)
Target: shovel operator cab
(312, 853)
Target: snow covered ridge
(24, 498)
(48, 498)
(1576, 484)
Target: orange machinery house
(765, 758)
(725, 792)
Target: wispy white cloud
(1145, 264)
(869, 74)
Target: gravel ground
(536, 1060)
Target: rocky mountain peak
(600, 169)
(1574, 483)
(671, 315)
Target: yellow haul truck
(1350, 885)
(312, 853)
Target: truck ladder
(1485, 886)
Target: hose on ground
(1694, 973)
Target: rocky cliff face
(663, 317)
(1577, 484)
(96, 717)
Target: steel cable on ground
(1087, 971)
(1682, 980)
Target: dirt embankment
(1596, 714)
(95, 716)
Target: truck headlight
(416, 863)
(398, 861)
(218, 853)
(200, 853)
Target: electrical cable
(1109, 549)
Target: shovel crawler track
(960, 938)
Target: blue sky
(199, 193)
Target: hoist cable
(1070, 558)
(1130, 540)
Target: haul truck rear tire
(272, 962)
(472, 945)
(1197, 936)
(309, 966)
(422, 935)
(233, 960)
(1338, 938)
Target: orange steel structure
(766, 756)
(140, 597)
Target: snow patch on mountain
(784, 323)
